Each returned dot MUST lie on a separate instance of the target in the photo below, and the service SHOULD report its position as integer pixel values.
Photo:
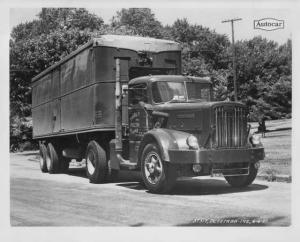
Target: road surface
(39, 199)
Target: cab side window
(138, 93)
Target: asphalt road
(39, 199)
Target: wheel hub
(153, 167)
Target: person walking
(262, 126)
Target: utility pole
(233, 54)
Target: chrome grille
(230, 127)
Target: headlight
(192, 142)
(255, 139)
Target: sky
(208, 17)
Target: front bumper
(212, 156)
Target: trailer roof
(135, 43)
(168, 78)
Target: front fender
(165, 139)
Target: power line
(233, 55)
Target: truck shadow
(183, 186)
(124, 176)
(211, 186)
(77, 171)
(190, 187)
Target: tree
(201, 43)
(182, 31)
(264, 77)
(53, 19)
(204, 53)
(141, 21)
(36, 45)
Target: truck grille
(230, 127)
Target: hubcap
(153, 167)
(91, 162)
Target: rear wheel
(96, 163)
(43, 158)
(52, 159)
(158, 176)
(243, 181)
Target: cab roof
(166, 78)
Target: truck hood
(194, 118)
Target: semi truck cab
(176, 129)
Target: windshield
(180, 91)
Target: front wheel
(158, 176)
(243, 181)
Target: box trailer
(77, 94)
(119, 102)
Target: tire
(43, 157)
(158, 176)
(243, 181)
(52, 160)
(96, 163)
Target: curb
(275, 178)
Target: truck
(122, 103)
